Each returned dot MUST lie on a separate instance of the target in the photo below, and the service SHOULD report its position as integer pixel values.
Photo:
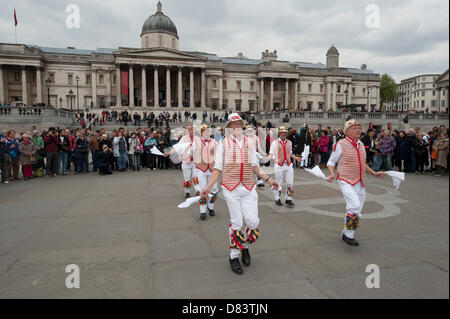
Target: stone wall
(21, 119)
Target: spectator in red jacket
(324, 140)
(51, 146)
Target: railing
(344, 115)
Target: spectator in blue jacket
(13, 148)
(4, 158)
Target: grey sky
(413, 36)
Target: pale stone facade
(194, 81)
(425, 93)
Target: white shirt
(274, 150)
(218, 161)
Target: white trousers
(203, 179)
(305, 155)
(284, 175)
(354, 196)
(243, 208)
(188, 174)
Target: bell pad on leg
(237, 239)
(351, 221)
(252, 235)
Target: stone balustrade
(20, 118)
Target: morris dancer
(281, 152)
(250, 133)
(188, 164)
(236, 161)
(204, 149)
(351, 176)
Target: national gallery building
(160, 77)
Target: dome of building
(159, 22)
(332, 50)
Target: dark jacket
(402, 149)
(3, 149)
(304, 138)
(82, 149)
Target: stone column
(118, 86)
(271, 96)
(180, 86)
(2, 86)
(144, 86)
(94, 87)
(333, 97)
(328, 97)
(38, 85)
(261, 98)
(349, 89)
(191, 88)
(108, 87)
(286, 95)
(220, 92)
(203, 87)
(438, 92)
(156, 86)
(24, 86)
(296, 94)
(168, 88)
(131, 85)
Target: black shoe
(236, 266)
(261, 185)
(246, 257)
(278, 202)
(289, 202)
(187, 195)
(349, 241)
(203, 216)
(211, 212)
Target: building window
(88, 79)
(364, 91)
(70, 78)
(339, 89)
(275, 85)
(423, 93)
(100, 79)
(16, 76)
(321, 106)
(114, 80)
(353, 91)
(423, 103)
(434, 93)
(215, 84)
(309, 87)
(224, 84)
(252, 85)
(321, 88)
(309, 106)
(251, 105)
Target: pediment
(158, 53)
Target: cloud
(413, 36)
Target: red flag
(15, 17)
(125, 82)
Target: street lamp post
(78, 100)
(48, 82)
(70, 95)
(240, 96)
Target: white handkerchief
(316, 171)
(397, 178)
(155, 151)
(189, 201)
(180, 148)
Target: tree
(388, 90)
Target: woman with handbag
(440, 147)
(26, 156)
(135, 151)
